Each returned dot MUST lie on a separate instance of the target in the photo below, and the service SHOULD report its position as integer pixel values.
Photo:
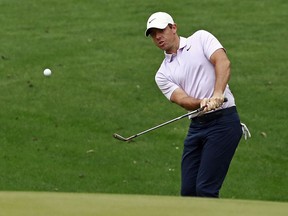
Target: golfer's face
(163, 38)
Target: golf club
(192, 113)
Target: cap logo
(152, 20)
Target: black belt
(214, 115)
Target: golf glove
(245, 130)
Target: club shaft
(166, 123)
(117, 136)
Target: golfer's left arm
(222, 75)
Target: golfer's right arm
(180, 97)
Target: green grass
(28, 203)
(56, 132)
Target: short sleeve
(166, 85)
(209, 43)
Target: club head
(119, 137)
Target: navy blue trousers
(208, 150)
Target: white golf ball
(47, 72)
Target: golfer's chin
(162, 46)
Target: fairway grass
(37, 203)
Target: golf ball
(47, 72)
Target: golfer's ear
(174, 27)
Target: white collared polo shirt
(190, 68)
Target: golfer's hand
(211, 104)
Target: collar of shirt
(182, 44)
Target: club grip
(202, 108)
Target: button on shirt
(190, 68)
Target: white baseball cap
(158, 20)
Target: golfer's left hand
(212, 103)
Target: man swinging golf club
(195, 73)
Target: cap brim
(147, 32)
(157, 26)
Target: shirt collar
(182, 44)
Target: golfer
(195, 73)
